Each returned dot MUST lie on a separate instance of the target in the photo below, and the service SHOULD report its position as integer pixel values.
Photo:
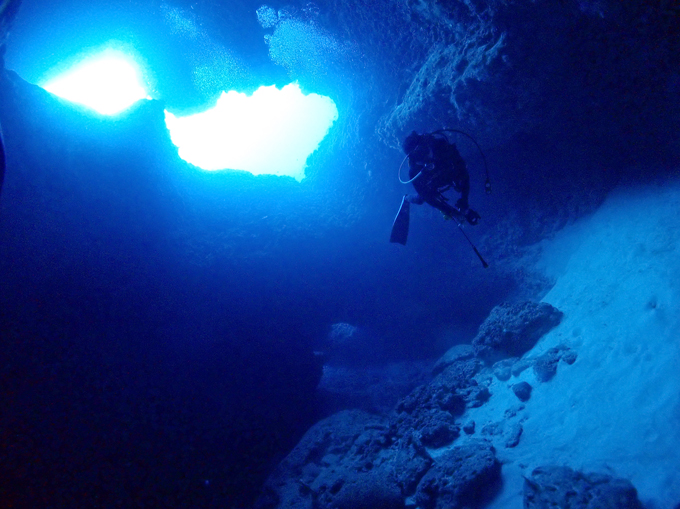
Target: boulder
(522, 390)
(430, 410)
(330, 455)
(514, 433)
(511, 330)
(430, 427)
(562, 487)
(464, 477)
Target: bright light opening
(108, 82)
(270, 132)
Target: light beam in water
(270, 132)
(108, 82)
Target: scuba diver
(436, 166)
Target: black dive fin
(400, 225)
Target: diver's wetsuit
(441, 167)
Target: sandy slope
(616, 410)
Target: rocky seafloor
(427, 453)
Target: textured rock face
(431, 409)
(354, 459)
(347, 461)
(464, 477)
(313, 468)
(513, 329)
(452, 356)
(562, 487)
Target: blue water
(159, 323)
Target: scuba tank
(442, 132)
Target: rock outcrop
(354, 459)
(349, 460)
(465, 476)
(427, 453)
(563, 487)
(511, 330)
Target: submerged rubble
(425, 453)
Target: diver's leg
(416, 199)
(463, 187)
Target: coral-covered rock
(456, 376)
(566, 488)
(418, 397)
(359, 490)
(409, 462)
(431, 427)
(338, 457)
(465, 476)
(350, 460)
(438, 432)
(452, 356)
(513, 329)
(452, 390)
(430, 410)
(474, 395)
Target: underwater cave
(200, 305)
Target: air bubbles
(267, 16)
(179, 21)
